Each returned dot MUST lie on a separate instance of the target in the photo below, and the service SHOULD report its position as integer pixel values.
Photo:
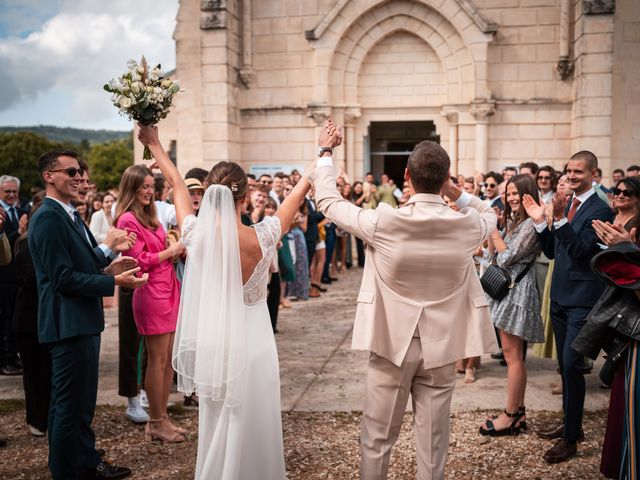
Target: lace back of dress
(268, 233)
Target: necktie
(13, 216)
(573, 209)
(79, 224)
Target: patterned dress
(519, 312)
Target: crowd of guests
(551, 225)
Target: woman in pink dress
(155, 307)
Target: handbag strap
(524, 272)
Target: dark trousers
(360, 251)
(567, 322)
(8, 347)
(129, 347)
(311, 250)
(36, 378)
(273, 299)
(330, 240)
(74, 388)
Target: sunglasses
(626, 193)
(71, 171)
(491, 185)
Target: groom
(420, 306)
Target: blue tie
(79, 224)
(13, 216)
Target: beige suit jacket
(418, 274)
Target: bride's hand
(148, 135)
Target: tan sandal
(150, 435)
(469, 375)
(174, 427)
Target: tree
(19, 153)
(107, 162)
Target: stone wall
(261, 80)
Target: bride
(224, 348)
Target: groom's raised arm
(353, 219)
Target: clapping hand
(451, 190)
(22, 224)
(3, 218)
(120, 265)
(119, 240)
(129, 279)
(533, 208)
(559, 202)
(613, 234)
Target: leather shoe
(554, 433)
(327, 281)
(562, 451)
(105, 470)
(498, 355)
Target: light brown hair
(131, 182)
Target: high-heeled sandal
(470, 375)
(150, 435)
(174, 427)
(523, 424)
(512, 429)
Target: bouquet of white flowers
(143, 94)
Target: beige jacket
(419, 275)
(5, 250)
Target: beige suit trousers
(387, 392)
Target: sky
(55, 56)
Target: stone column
(452, 118)
(351, 116)
(481, 111)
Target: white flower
(131, 64)
(149, 89)
(135, 77)
(135, 87)
(166, 83)
(126, 102)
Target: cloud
(82, 47)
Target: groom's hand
(451, 190)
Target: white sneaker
(35, 432)
(144, 401)
(135, 413)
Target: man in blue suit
(72, 279)
(572, 242)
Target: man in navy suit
(572, 242)
(10, 203)
(72, 279)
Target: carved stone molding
(213, 5)
(598, 7)
(247, 75)
(564, 67)
(451, 116)
(482, 109)
(351, 115)
(214, 14)
(318, 113)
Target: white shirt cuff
(106, 250)
(324, 162)
(464, 199)
(560, 222)
(540, 227)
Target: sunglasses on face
(491, 185)
(71, 171)
(626, 193)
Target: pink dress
(155, 305)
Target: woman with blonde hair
(155, 306)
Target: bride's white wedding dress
(240, 426)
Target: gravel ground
(317, 446)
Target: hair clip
(234, 187)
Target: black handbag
(496, 281)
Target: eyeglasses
(626, 193)
(71, 171)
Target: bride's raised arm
(181, 199)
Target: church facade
(496, 82)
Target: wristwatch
(322, 150)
